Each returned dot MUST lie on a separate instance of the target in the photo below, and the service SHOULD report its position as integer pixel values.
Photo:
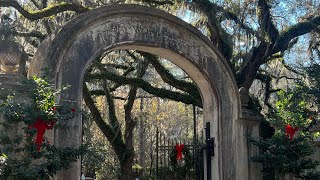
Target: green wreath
(181, 168)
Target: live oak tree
(251, 35)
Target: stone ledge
(249, 116)
(12, 82)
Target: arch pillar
(248, 125)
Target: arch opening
(171, 121)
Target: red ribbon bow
(290, 131)
(41, 127)
(179, 149)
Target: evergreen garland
(280, 156)
(181, 168)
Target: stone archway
(74, 47)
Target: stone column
(12, 82)
(10, 56)
(248, 125)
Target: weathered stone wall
(69, 53)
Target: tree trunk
(126, 168)
(142, 142)
(127, 160)
(252, 65)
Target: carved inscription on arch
(148, 30)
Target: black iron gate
(164, 148)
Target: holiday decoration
(181, 160)
(179, 149)
(41, 127)
(290, 131)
